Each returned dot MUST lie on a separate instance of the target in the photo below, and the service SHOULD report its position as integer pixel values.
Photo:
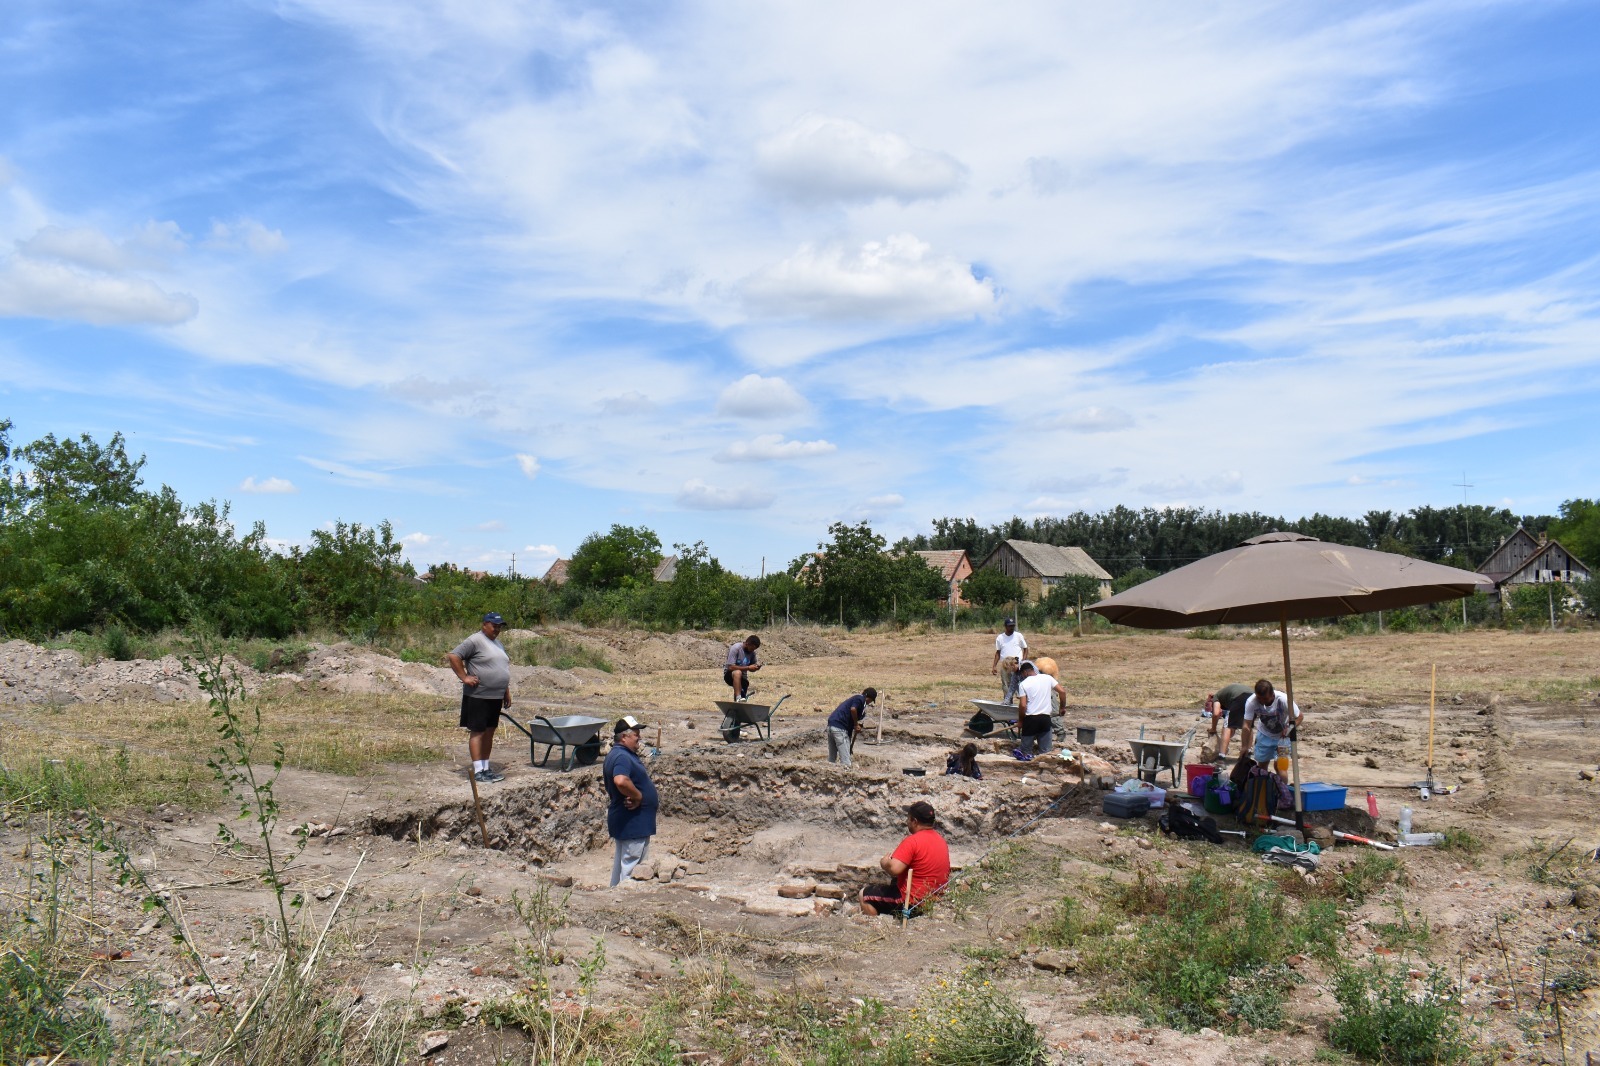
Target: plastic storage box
(1125, 804)
(1316, 796)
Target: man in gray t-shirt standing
(485, 672)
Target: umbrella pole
(1294, 732)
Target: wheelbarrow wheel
(730, 730)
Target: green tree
(989, 587)
(696, 593)
(1578, 530)
(351, 575)
(854, 576)
(80, 471)
(624, 557)
(1137, 576)
(1070, 591)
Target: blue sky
(507, 273)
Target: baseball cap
(1011, 621)
(624, 724)
(922, 811)
(494, 619)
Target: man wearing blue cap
(485, 672)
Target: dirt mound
(637, 651)
(30, 674)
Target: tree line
(84, 545)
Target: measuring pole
(1433, 688)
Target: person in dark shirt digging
(922, 859)
(845, 722)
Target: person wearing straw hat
(631, 816)
(484, 669)
(922, 859)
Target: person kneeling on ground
(923, 858)
(845, 722)
(741, 663)
(1034, 707)
(963, 763)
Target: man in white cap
(1010, 648)
(631, 816)
(1034, 706)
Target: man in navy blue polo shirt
(631, 817)
(843, 723)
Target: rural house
(955, 567)
(665, 570)
(1522, 560)
(1040, 567)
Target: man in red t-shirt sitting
(922, 857)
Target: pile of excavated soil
(30, 674)
(643, 652)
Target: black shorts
(1033, 725)
(479, 714)
(1236, 712)
(727, 678)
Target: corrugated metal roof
(945, 561)
(1053, 560)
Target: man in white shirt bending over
(1010, 648)
(1033, 723)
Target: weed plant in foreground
(1207, 949)
(1385, 1017)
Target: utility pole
(1466, 517)
(513, 566)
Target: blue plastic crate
(1317, 796)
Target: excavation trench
(559, 815)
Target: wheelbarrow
(1002, 714)
(575, 734)
(1153, 756)
(737, 715)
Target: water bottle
(1405, 820)
(1372, 804)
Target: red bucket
(1197, 772)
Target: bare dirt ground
(376, 766)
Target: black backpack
(1180, 822)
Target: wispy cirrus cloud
(696, 495)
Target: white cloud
(150, 245)
(1223, 484)
(268, 486)
(1081, 482)
(754, 396)
(494, 525)
(249, 234)
(899, 279)
(821, 158)
(529, 465)
(878, 506)
(697, 495)
(1094, 420)
(627, 403)
(542, 551)
(771, 447)
(417, 540)
(34, 289)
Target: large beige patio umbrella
(1278, 577)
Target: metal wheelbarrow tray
(567, 731)
(1004, 716)
(1168, 755)
(735, 716)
